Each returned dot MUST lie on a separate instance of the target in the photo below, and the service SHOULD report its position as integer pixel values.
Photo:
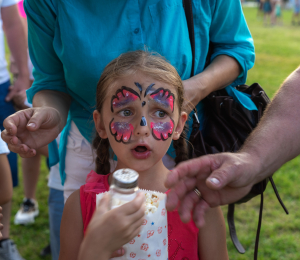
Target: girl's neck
(151, 179)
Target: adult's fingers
(199, 213)
(190, 168)
(15, 145)
(179, 191)
(186, 206)
(12, 122)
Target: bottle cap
(125, 178)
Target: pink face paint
(162, 131)
(123, 97)
(122, 131)
(164, 97)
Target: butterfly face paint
(123, 96)
(162, 130)
(164, 97)
(122, 131)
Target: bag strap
(188, 9)
(187, 5)
(232, 230)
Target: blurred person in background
(278, 12)
(5, 180)
(267, 8)
(5, 174)
(8, 248)
(31, 170)
(296, 16)
(16, 39)
(30, 166)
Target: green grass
(277, 55)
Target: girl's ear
(180, 125)
(99, 124)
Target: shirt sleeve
(6, 3)
(48, 70)
(3, 146)
(230, 35)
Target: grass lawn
(277, 55)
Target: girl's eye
(160, 113)
(125, 113)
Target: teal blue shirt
(70, 42)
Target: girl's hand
(30, 129)
(109, 230)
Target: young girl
(138, 113)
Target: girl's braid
(102, 160)
(180, 147)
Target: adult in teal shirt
(70, 43)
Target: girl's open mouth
(140, 149)
(141, 152)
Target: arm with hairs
(227, 177)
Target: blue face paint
(144, 103)
(139, 86)
(143, 121)
(148, 89)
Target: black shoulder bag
(226, 127)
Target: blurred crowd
(13, 98)
(271, 11)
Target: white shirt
(3, 146)
(4, 75)
(54, 180)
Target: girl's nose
(143, 128)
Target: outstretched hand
(30, 129)
(221, 178)
(120, 225)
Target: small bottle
(124, 187)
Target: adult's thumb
(36, 120)
(219, 178)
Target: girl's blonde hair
(151, 64)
